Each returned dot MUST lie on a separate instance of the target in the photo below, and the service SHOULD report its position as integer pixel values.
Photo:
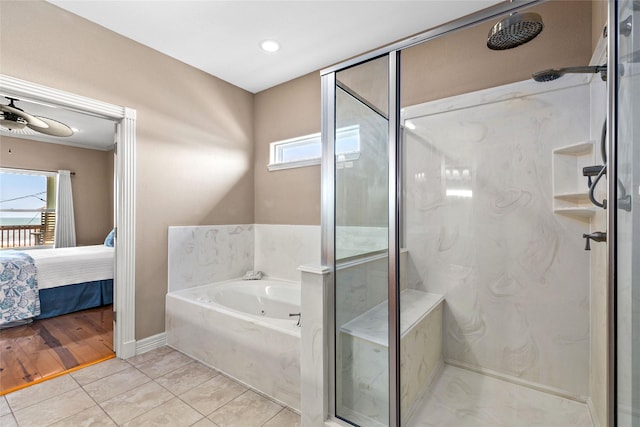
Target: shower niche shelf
(570, 189)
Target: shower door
(361, 244)
(627, 213)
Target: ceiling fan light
(14, 111)
(14, 118)
(12, 125)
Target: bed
(68, 280)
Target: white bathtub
(243, 329)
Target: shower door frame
(613, 194)
(328, 95)
(612, 227)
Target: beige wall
(111, 174)
(92, 185)
(290, 196)
(598, 20)
(194, 131)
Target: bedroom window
(27, 208)
(307, 150)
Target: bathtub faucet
(299, 317)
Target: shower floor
(462, 398)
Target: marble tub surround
(253, 350)
(317, 285)
(281, 249)
(244, 347)
(363, 381)
(480, 230)
(206, 254)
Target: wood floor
(48, 347)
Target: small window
(307, 150)
(27, 212)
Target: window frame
(32, 172)
(277, 148)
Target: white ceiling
(222, 37)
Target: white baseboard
(127, 350)
(151, 343)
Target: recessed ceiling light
(270, 46)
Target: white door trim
(125, 170)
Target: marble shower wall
(599, 261)
(480, 230)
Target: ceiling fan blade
(54, 128)
(31, 120)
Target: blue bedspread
(18, 287)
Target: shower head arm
(587, 69)
(554, 73)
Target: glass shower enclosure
(455, 211)
(361, 242)
(625, 191)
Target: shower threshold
(463, 398)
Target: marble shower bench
(364, 344)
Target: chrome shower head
(517, 29)
(556, 73)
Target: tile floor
(160, 388)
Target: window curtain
(65, 232)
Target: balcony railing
(20, 236)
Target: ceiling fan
(14, 118)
